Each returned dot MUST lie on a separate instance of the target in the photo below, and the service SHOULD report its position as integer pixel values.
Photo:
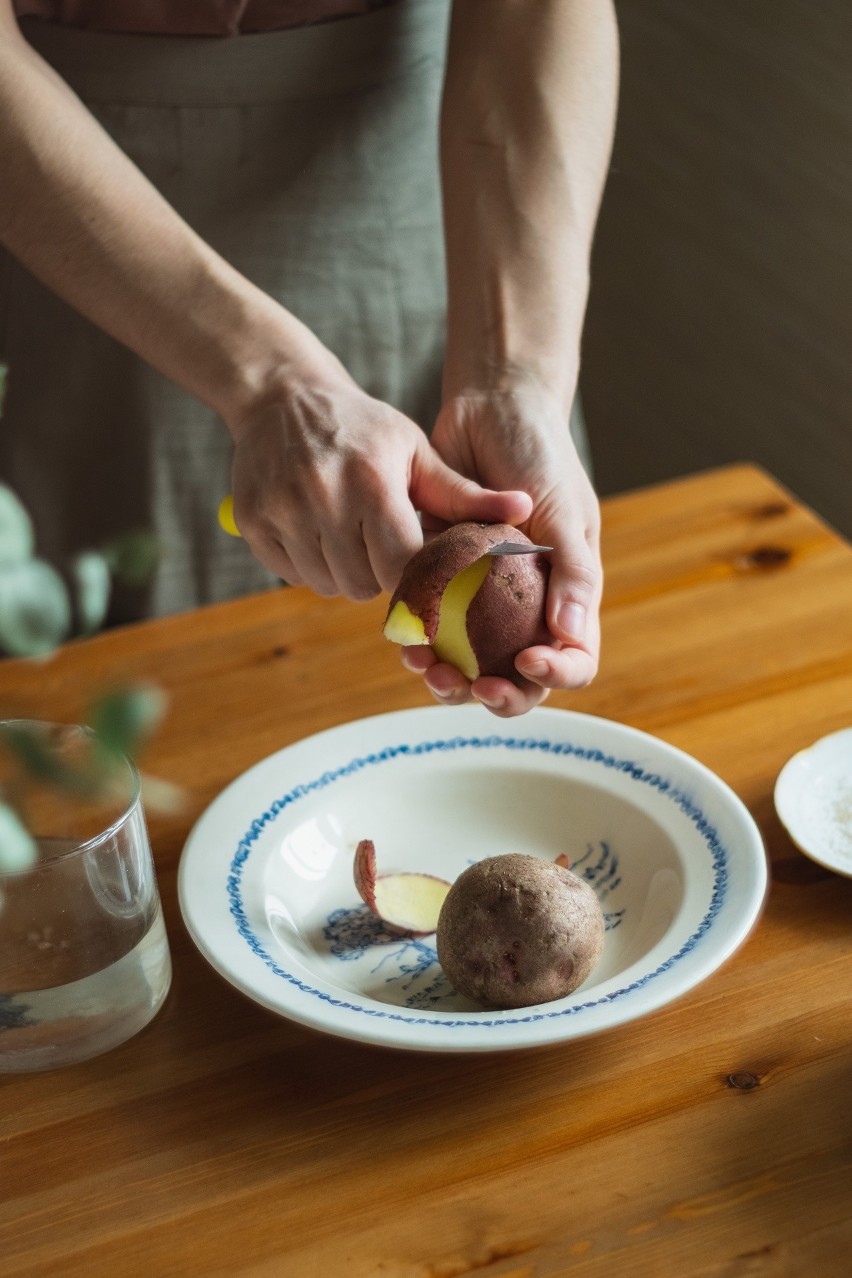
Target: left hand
(519, 439)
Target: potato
(516, 930)
(477, 611)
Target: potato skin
(517, 930)
(506, 614)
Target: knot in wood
(743, 1081)
(762, 558)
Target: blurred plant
(39, 610)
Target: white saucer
(813, 798)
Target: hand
(520, 438)
(328, 482)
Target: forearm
(78, 214)
(526, 132)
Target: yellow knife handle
(226, 516)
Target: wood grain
(709, 1140)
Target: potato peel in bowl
(406, 902)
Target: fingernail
(440, 696)
(533, 669)
(571, 620)
(493, 703)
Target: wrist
(516, 334)
(258, 350)
(552, 381)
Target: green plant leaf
(125, 717)
(17, 846)
(35, 613)
(89, 773)
(90, 575)
(133, 557)
(35, 752)
(16, 530)
(162, 797)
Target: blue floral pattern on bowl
(351, 933)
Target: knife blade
(515, 548)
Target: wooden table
(711, 1138)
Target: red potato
(476, 611)
(517, 930)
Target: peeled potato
(476, 611)
(517, 930)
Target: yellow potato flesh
(410, 901)
(403, 627)
(451, 642)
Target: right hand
(521, 436)
(328, 483)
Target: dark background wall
(720, 318)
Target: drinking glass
(84, 957)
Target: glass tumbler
(84, 957)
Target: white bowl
(813, 798)
(267, 892)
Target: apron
(308, 158)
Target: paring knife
(226, 521)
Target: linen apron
(308, 158)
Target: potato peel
(404, 901)
(365, 872)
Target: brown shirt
(192, 17)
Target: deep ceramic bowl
(267, 891)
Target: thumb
(440, 491)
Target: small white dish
(267, 892)
(813, 798)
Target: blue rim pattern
(690, 809)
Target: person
(333, 254)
